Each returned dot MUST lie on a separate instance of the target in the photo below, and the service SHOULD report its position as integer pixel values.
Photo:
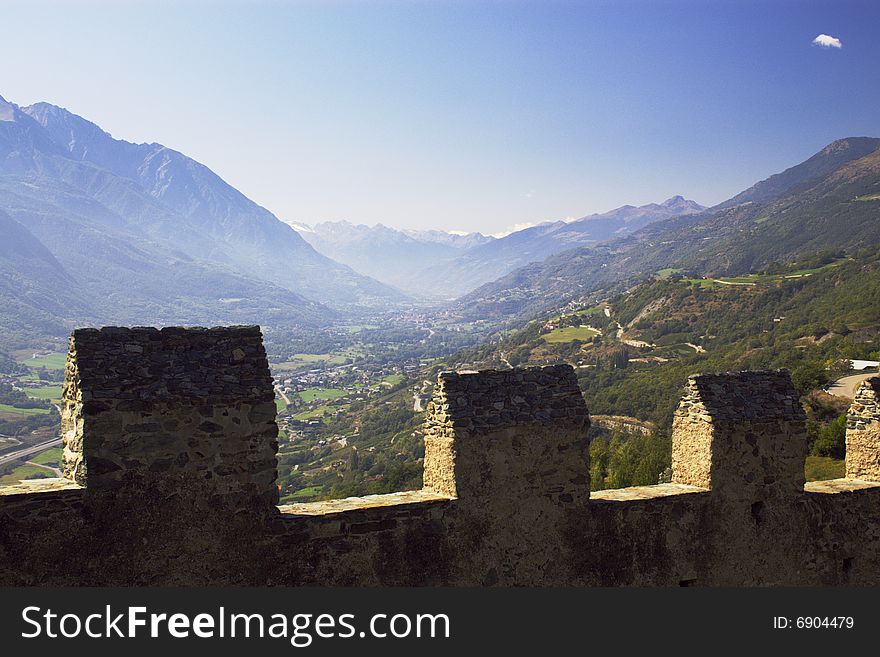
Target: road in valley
(30, 451)
(846, 387)
(283, 396)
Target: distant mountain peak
(821, 206)
(44, 112)
(829, 159)
(7, 110)
(679, 203)
(847, 143)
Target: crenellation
(482, 402)
(170, 469)
(742, 435)
(163, 401)
(739, 396)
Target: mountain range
(402, 258)
(438, 264)
(97, 230)
(830, 201)
(140, 232)
(494, 259)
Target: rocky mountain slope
(36, 292)
(145, 234)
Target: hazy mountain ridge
(135, 280)
(459, 240)
(114, 232)
(811, 211)
(197, 205)
(495, 259)
(143, 234)
(830, 158)
(35, 290)
(445, 265)
(396, 257)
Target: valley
(358, 320)
(30, 391)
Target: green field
(12, 412)
(570, 333)
(25, 472)
(820, 468)
(49, 361)
(868, 197)
(393, 379)
(280, 404)
(52, 393)
(755, 279)
(49, 457)
(356, 328)
(704, 283)
(302, 494)
(307, 361)
(315, 412)
(312, 394)
(748, 279)
(592, 310)
(716, 283)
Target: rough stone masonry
(159, 403)
(170, 466)
(863, 433)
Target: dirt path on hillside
(846, 387)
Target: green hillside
(818, 207)
(809, 316)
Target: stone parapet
(170, 443)
(490, 400)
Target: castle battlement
(169, 478)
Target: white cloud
(827, 41)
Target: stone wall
(196, 403)
(863, 433)
(742, 435)
(506, 498)
(473, 410)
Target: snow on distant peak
(298, 227)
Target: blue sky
(459, 115)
